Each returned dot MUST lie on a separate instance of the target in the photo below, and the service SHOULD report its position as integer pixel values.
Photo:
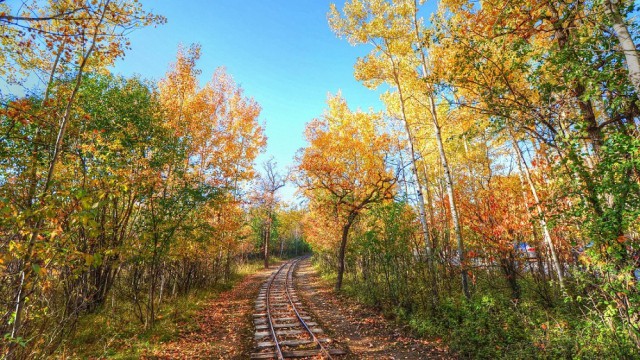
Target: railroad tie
(282, 328)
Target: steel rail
(289, 278)
(270, 320)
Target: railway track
(284, 329)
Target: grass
(115, 333)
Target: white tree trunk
(414, 169)
(443, 158)
(524, 168)
(626, 43)
(452, 204)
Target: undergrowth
(113, 332)
(492, 325)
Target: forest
(492, 204)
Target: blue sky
(281, 52)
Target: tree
(399, 58)
(76, 38)
(346, 166)
(267, 185)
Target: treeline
(495, 201)
(137, 203)
(115, 191)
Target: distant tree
(267, 185)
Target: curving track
(283, 329)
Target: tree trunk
(452, 204)
(508, 265)
(227, 266)
(343, 247)
(281, 247)
(578, 89)
(267, 237)
(427, 192)
(626, 43)
(151, 314)
(423, 217)
(524, 168)
(162, 278)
